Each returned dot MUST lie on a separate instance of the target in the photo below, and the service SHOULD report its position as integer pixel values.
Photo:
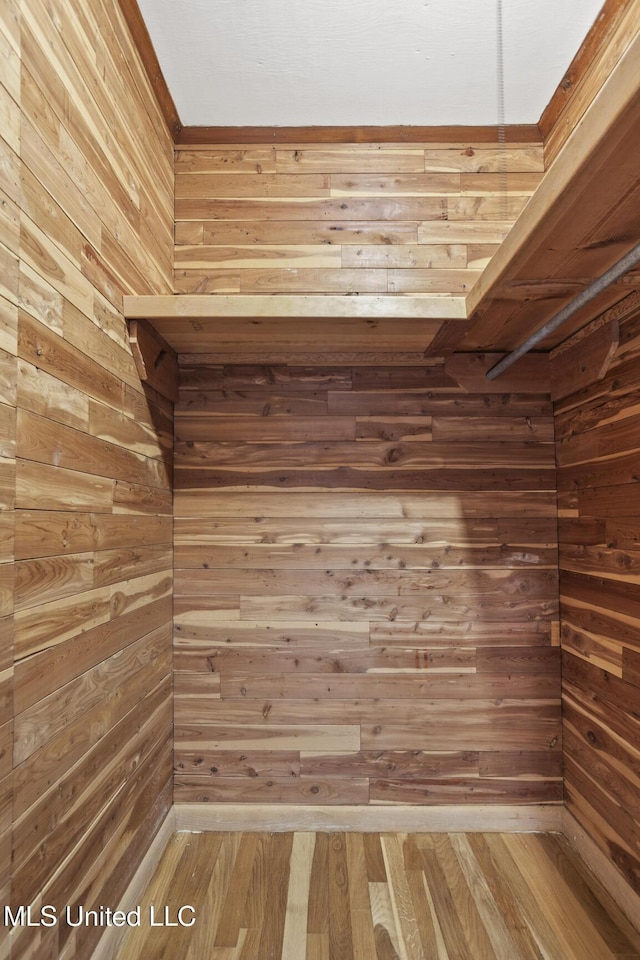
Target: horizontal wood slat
(514, 133)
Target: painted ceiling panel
(362, 62)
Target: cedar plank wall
(598, 437)
(9, 251)
(359, 617)
(366, 585)
(346, 218)
(92, 727)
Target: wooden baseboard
(110, 942)
(602, 868)
(403, 819)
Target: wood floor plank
(317, 946)
(406, 924)
(250, 944)
(441, 952)
(421, 906)
(462, 928)
(318, 913)
(228, 931)
(295, 923)
(203, 942)
(364, 941)
(276, 903)
(384, 925)
(497, 930)
(376, 870)
(340, 932)
(254, 906)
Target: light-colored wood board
(441, 683)
(403, 208)
(272, 256)
(201, 307)
(278, 818)
(319, 281)
(330, 232)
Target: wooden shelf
(197, 324)
(210, 306)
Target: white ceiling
(362, 62)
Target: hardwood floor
(358, 896)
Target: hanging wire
(502, 137)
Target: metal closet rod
(589, 293)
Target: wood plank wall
(86, 216)
(346, 218)
(9, 254)
(598, 439)
(366, 585)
